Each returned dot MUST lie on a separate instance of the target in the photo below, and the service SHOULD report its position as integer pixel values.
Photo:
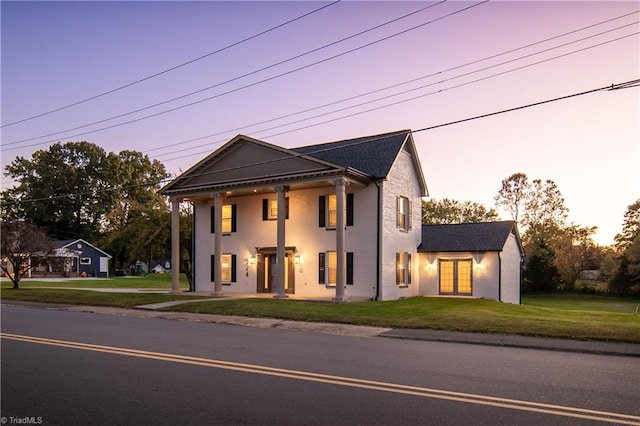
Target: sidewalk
(516, 341)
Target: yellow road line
(551, 409)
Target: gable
(79, 245)
(244, 160)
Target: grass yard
(155, 281)
(574, 316)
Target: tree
(513, 194)
(452, 211)
(626, 279)
(574, 251)
(77, 190)
(538, 207)
(630, 227)
(20, 242)
(540, 272)
(544, 214)
(66, 189)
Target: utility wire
(227, 81)
(618, 86)
(409, 91)
(172, 68)
(246, 86)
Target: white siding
(510, 255)
(402, 181)
(302, 231)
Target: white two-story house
(339, 219)
(332, 220)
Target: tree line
(77, 190)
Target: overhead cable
(170, 69)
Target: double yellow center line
(514, 404)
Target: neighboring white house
(332, 220)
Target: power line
(226, 81)
(412, 90)
(627, 84)
(236, 89)
(405, 82)
(172, 68)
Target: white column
(175, 245)
(217, 245)
(280, 250)
(341, 258)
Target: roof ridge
(379, 135)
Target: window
(404, 214)
(270, 209)
(455, 276)
(229, 213)
(328, 211)
(228, 268)
(85, 261)
(328, 268)
(403, 268)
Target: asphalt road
(71, 368)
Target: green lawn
(584, 317)
(159, 281)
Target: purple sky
(58, 53)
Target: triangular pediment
(244, 160)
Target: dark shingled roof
(487, 236)
(372, 155)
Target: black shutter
(213, 219)
(321, 268)
(349, 209)
(321, 211)
(286, 204)
(213, 267)
(409, 268)
(265, 209)
(233, 268)
(350, 268)
(233, 217)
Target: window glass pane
(332, 267)
(332, 210)
(464, 276)
(226, 267)
(401, 271)
(226, 218)
(273, 209)
(446, 276)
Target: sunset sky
(343, 71)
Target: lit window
(273, 209)
(227, 216)
(404, 213)
(332, 267)
(332, 211)
(226, 268)
(403, 268)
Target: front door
(267, 267)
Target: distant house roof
(464, 237)
(73, 245)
